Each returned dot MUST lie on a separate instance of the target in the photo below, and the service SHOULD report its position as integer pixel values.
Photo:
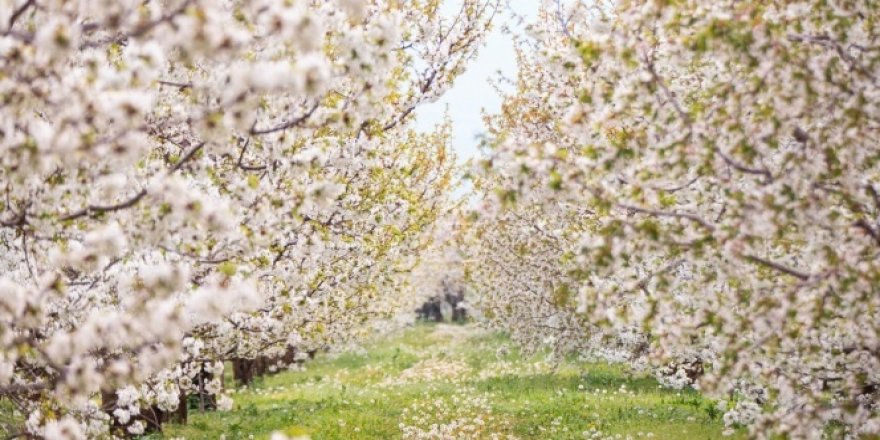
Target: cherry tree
(702, 176)
(189, 181)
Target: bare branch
(179, 85)
(240, 163)
(20, 11)
(140, 30)
(743, 168)
(286, 125)
(778, 267)
(94, 210)
(656, 212)
(863, 225)
(670, 189)
(23, 388)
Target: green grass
(368, 395)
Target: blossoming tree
(189, 181)
(698, 182)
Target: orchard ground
(456, 381)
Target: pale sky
(472, 91)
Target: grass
(444, 381)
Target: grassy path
(456, 382)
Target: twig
(656, 212)
(175, 84)
(240, 163)
(286, 125)
(93, 210)
(778, 267)
(20, 11)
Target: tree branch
(656, 212)
(286, 125)
(140, 30)
(179, 85)
(803, 276)
(743, 168)
(20, 11)
(93, 210)
(240, 163)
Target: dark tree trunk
(207, 401)
(243, 371)
(181, 414)
(153, 417)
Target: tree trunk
(153, 417)
(242, 371)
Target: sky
(472, 91)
